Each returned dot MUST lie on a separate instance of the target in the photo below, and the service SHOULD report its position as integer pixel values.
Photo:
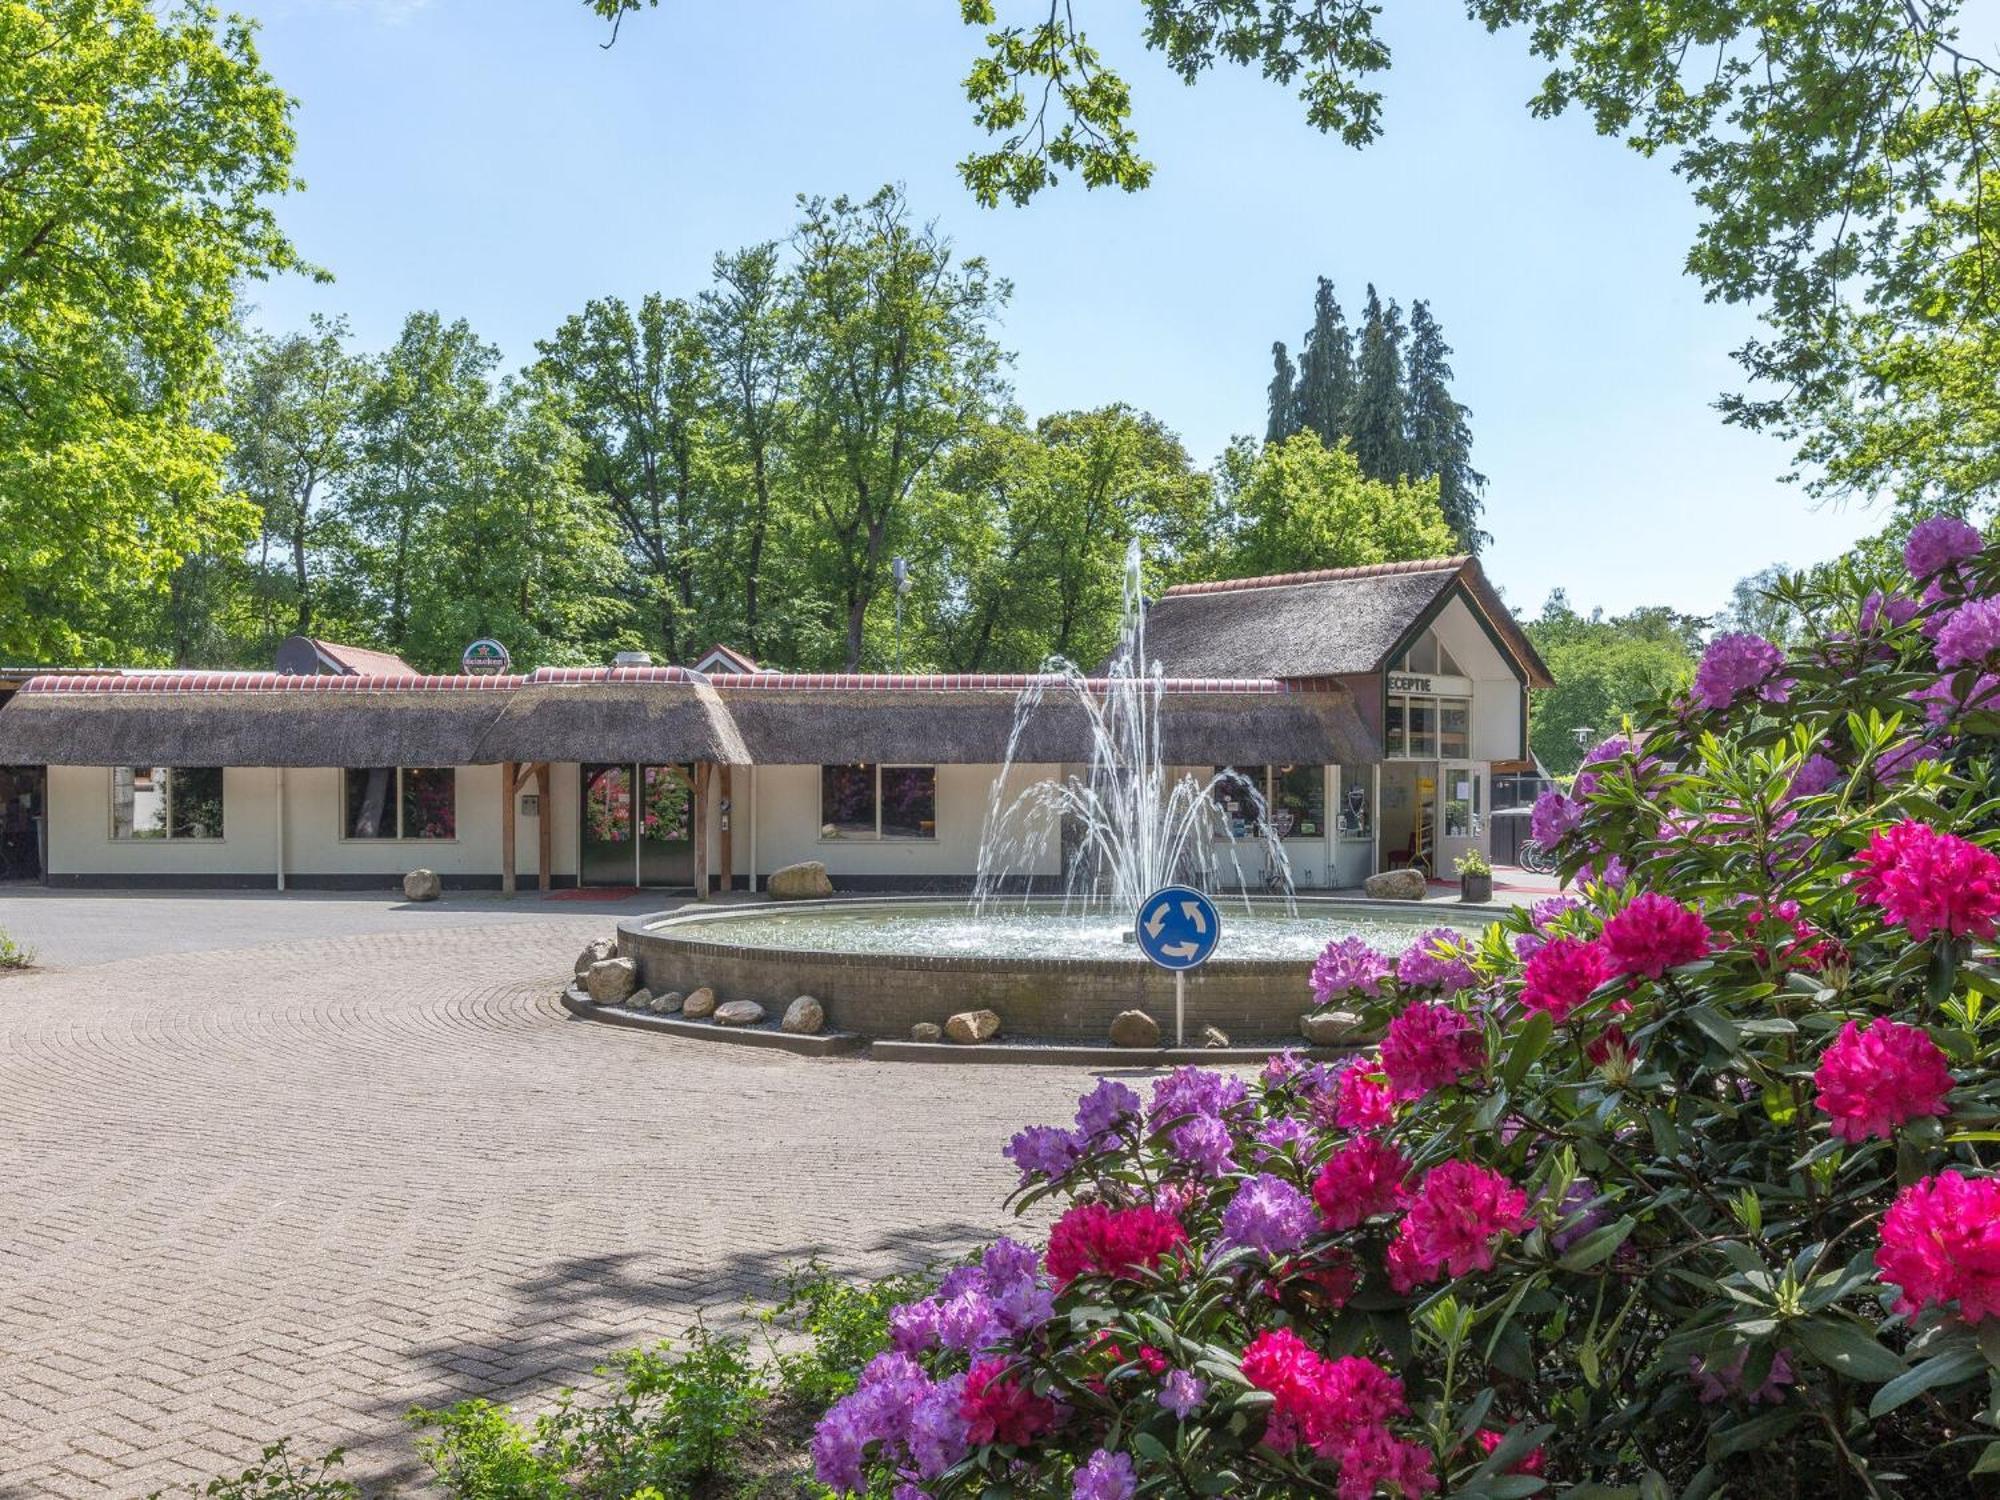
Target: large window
(1429, 655)
(1298, 802)
(867, 801)
(1420, 728)
(1356, 814)
(161, 802)
(1240, 794)
(383, 802)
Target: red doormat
(594, 893)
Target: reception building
(1369, 707)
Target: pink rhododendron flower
(1094, 1239)
(1431, 1046)
(1455, 1223)
(1363, 1101)
(1935, 544)
(1971, 635)
(1874, 1080)
(1654, 934)
(1560, 975)
(999, 1410)
(1929, 881)
(1737, 664)
(1341, 1409)
(1489, 1440)
(1941, 1243)
(1361, 1179)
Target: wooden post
(545, 834)
(728, 860)
(507, 774)
(702, 769)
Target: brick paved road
(293, 1190)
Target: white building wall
(787, 813)
(1496, 691)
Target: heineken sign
(485, 658)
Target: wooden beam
(545, 834)
(728, 859)
(521, 777)
(507, 800)
(702, 769)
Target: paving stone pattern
(294, 1190)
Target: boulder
(610, 981)
(805, 1016)
(805, 881)
(1396, 885)
(699, 1005)
(1214, 1036)
(422, 885)
(738, 1013)
(639, 999)
(668, 1003)
(595, 952)
(1134, 1028)
(970, 1026)
(927, 1031)
(1329, 1028)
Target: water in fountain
(1137, 826)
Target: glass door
(666, 825)
(608, 855)
(1464, 802)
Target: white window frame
(396, 798)
(166, 834)
(878, 836)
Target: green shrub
(277, 1476)
(13, 955)
(847, 1324)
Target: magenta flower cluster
(1348, 966)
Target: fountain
(1056, 965)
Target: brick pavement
(294, 1190)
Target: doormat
(594, 893)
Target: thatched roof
(1336, 622)
(306, 655)
(657, 715)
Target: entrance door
(1463, 799)
(1409, 820)
(638, 825)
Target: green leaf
(1954, 1364)
(1598, 1245)
(1845, 1346)
(1530, 1041)
(1755, 1432)
(1989, 1460)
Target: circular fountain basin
(879, 966)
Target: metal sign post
(1177, 928)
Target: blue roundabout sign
(1178, 928)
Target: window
(1357, 808)
(1423, 721)
(159, 802)
(1461, 804)
(1426, 728)
(1455, 728)
(1429, 655)
(867, 801)
(382, 802)
(1298, 802)
(1395, 736)
(1239, 793)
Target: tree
(743, 319)
(1754, 608)
(1281, 397)
(1375, 419)
(141, 146)
(1324, 397)
(1299, 504)
(1604, 671)
(1439, 436)
(638, 390)
(895, 364)
(291, 419)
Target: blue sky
(487, 158)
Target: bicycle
(1536, 858)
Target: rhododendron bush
(1680, 1184)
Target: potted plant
(1475, 877)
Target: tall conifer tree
(1282, 396)
(1375, 417)
(1326, 370)
(1439, 431)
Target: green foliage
(277, 1476)
(144, 143)
(672, 1422)
(13, 955)
(1298, 504)
(845, 1324)
(1604, 671)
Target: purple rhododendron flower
(1348, 967)
(937, 1430)
(1902, 758)
(1815, 774)
(1880, 611)
(1715, 1381)
(1195, 1091)
(1182, 1393)
(1436, 961)
(1278, 1137)
(1042, 1151)
(1107, 1476)
(1269, 1214)
(1740, 663)
(1205, 1144)
(1101, 1112)
(968, 1322)
(913, 1327)
(1554, 816)
(1580, 1193)
(1937, 543)
(1972, 634)
(1280, 1066)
